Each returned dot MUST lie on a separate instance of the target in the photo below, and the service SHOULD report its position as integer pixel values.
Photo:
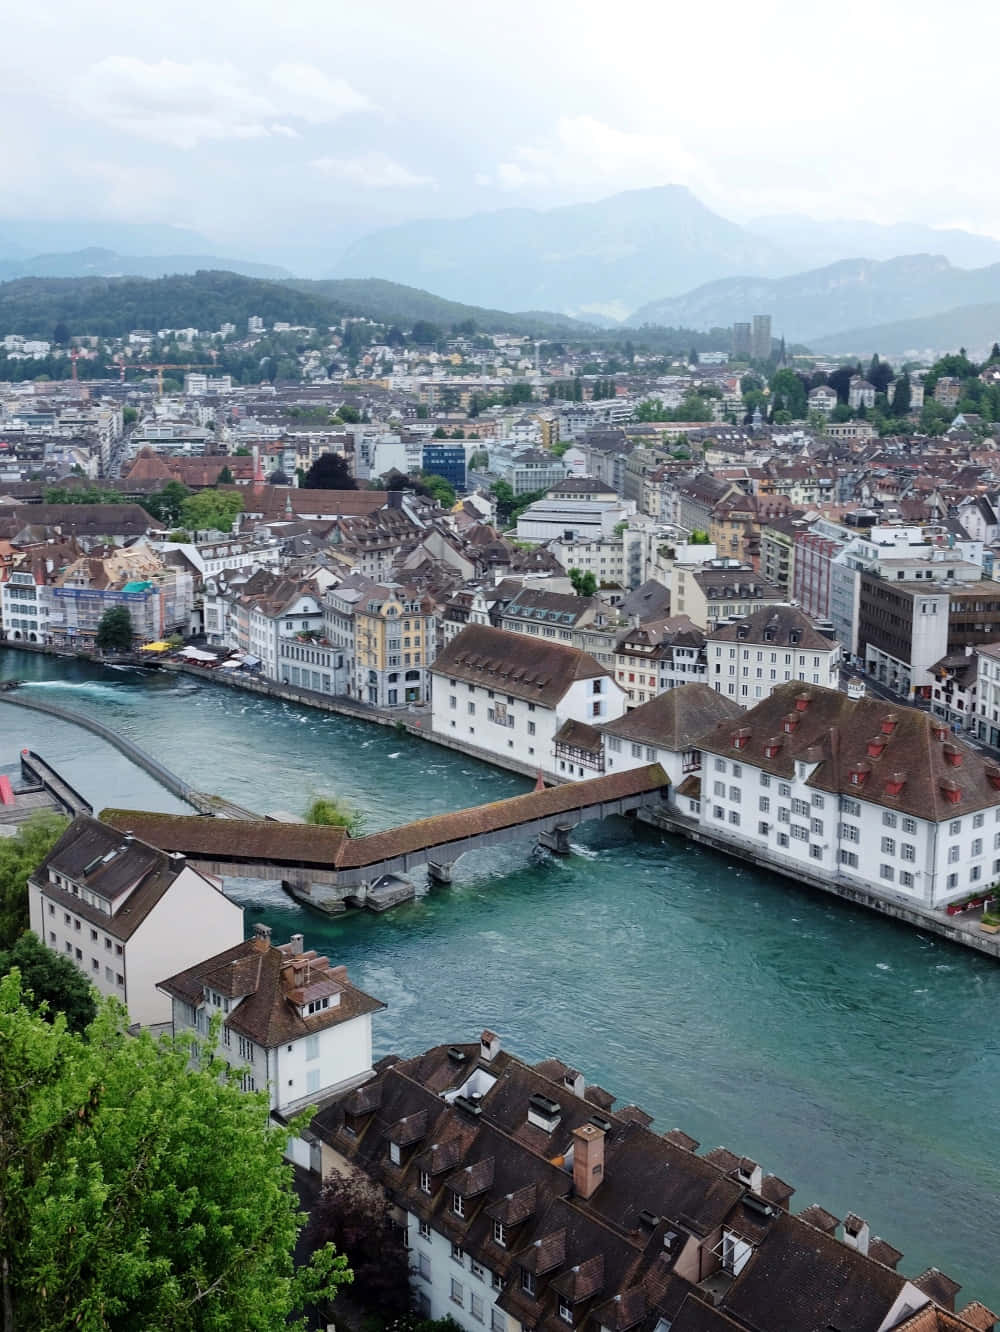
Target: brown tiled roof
(780, 622)
(515, 664)
(622, 1311)
(582, 1281)
(977, 1315)
(884, 1252)
(776, 1191)
(272, 501)
(90, 520)
(939, 1287)
(579, 735)
(269, 1013)
(408, 1130)
(834, 731)
(514, 1207)
(234, 840)
(473, 1179)
(681, 1139)
(675, 718)
(820, 1218)
(544, 1254)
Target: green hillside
(974, 326)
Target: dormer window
(566, 1311)
(527, 1281)
(458, 1204)
(395, 1154)
(316, 1005)
(425, 1181)
(500, 1234)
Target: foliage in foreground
(328, 811)
(51, 982)
(137, 1193)
(19, 855)
(114, 630)
(355, 1217)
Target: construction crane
(159, 367)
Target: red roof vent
(802, 701)
(889, 722)
(894, 783)
(953, 755)
(876, 745)
(773, 746)
(951, 791)
(993, 775)
(741, 738)
(858, 773)
(789, 722)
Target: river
(856, 1058)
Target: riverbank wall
(953, 928)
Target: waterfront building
(987, 709)
(158, 597)
(395, 640)
(748, 658)
(509, 694)
(878, 798)
(121, 910)
(292, 1023)
(530, 1201)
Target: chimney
(588, 1159)
(489, 1046)
(262, 932)
(856, 1233)
(855, 689)
(575, 1082)
(295, 944)
(750, 1174)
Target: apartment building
(720, 590)
(119, 909)
(395, 640)
(749, 658)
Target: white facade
(846, 838)
(447, 1282)
(572, 520)
(747, 672)
(500, 724)
(129, 968)
(987, 719)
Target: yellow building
(395, 643)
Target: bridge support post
(556, 841)
(440, 871)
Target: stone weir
(327, 868)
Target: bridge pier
(440, 871)
(557, 841)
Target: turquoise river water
(856, 1058)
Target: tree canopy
(439, 488)
(166, 506)
(139, 1191)
(584, 582)
(114, 630)
(211, 510)
(19, 855)
(330, 472)
(51, 982)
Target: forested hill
(111, 307)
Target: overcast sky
(307, 122)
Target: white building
(122, 912)
(987, 713)
(877, 797)
(748, 658)
(572, 520)
(822, 399)
(293, 1023)
(508, 695)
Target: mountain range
(96, 262)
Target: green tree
(440, 433)
(129, 415)
(698, 537)
(439, 488)
(166, 506)
(114, 630)
(355, 1216)
(137, 1191)
(330, 472)
(226, 477)
(52, 980)
(584, 582)
(902, 399)
(348, 413)
(789, 387)
(652, 409)
(327, 811)
(211, 510)
(19, 855)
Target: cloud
(372, 171)
(583, 151)
(184, 104)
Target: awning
(195, 654)
(230, 666)
(251, 661)
(155, 647)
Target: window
(718, 812)
(816, 826)
(905, 879)
(783, 814)
(764, 804)
(953, 854)
(763, 829)
(908, 851)
(849, 806)
(734, 817)
(457, 1293)
(800, 832)
(566, 1311)
(888, 846)
(458, 1207)
(800, 807)
(637, 753)
(425, 1182)
(849, 858)
(498, 1233)
(312, 1047)
(734, 794)
(782, 839)
(977, 820)
(784, 790)
(977, 846)
(246, 1049)
(527, 1281)
(737, 770)
(499, 1321)
(955, 827)
(476, 1307)
(478, 1270)
(909, 825)
(423, 1265)
(975, 874)
(952, 880)
(395, 1154)
(817, 801)
(888, 819)
(720, 765)
(458, 1254)
(887, 872)
(423, 1230)
(816, 851)
(719, 789)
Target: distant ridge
(97, 262)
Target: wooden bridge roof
(300, 844)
